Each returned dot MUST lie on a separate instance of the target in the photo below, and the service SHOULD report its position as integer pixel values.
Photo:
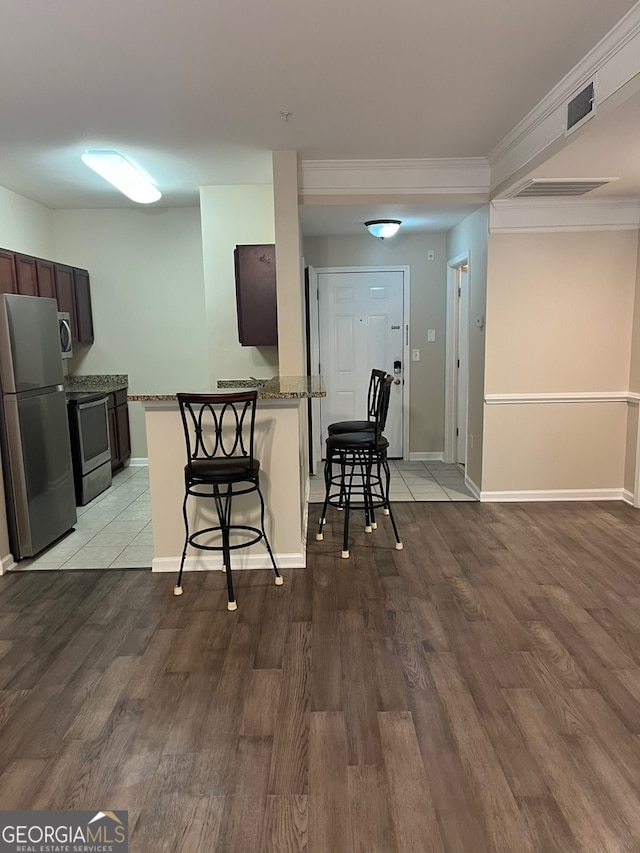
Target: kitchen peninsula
(281, 445)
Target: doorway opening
(360, 321)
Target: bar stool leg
(367, 463)
(223, 506)
(387, 504)
(177, 590)
(346, 491)
(279, 579)
(328, 469)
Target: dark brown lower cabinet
(119, 428)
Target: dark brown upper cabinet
(256, 295)
(46, 278)
(84, 316)
(65, 295)
(26, 275)
(69, 286)
(8, 282)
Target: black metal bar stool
(218, 430)
(362, 474)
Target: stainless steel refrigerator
(36, 453)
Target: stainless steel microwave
(64, 327)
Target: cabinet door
(8, 283)
(256, 295)
(83, 306)
(124, 439)
(26, 275)
(46, 278)
(65, 295)
(113, 434)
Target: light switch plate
(431, 334)
(415, 355)
(431, 255)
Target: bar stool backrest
(218, 426)
(382, 409)
(375, 386)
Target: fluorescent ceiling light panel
(124, 176)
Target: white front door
(361, 327)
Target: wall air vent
(559, 188)
(580, 108)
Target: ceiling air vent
(559, 188)
(580, 108)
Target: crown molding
(404, 177)
(613, 62)
(522, 216)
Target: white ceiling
(194, 91)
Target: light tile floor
(114, 530)
(415, 481)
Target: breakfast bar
(281, 445)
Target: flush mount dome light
(124, 176)
(382, 228)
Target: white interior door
(463, 364)
(361, 326)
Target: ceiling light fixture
(124, 176)
(382, 228)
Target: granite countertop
(106, 383)
(278, 388)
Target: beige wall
(427, 311)
(634, 386)
(575, 447)
(26, 226)
(148, 300)
(277, 435)
(231, 216)
(471, 235)
(559, 320)
(291, 308)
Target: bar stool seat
(221, 465)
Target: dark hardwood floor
(478, 692)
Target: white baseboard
(554, 495)
(240, 562)
(7, 563)
(426, 456)
(138, 462)
(627, 496)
